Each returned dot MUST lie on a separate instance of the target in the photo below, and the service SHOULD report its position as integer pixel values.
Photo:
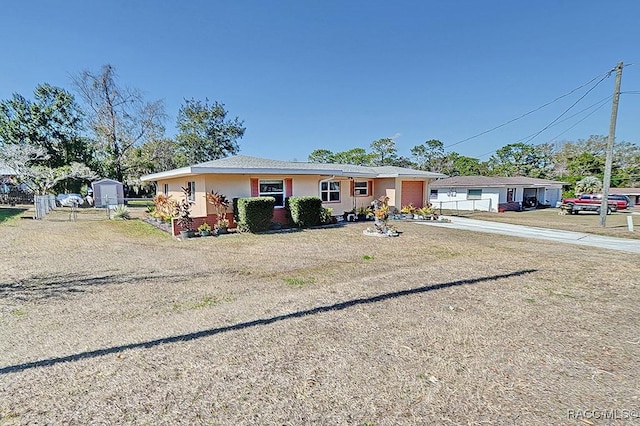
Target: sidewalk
(569, 237)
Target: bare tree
(119, 118)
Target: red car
(620, 201)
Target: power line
(568, 109)
(602, 102)
(604, 76)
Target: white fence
(465, 205)
(44, 204)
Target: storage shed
(107, 192)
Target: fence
(465, 205)
(44, 204)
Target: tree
(153, 156)
(455, 164)
(119, 118)
(52, 121)
(519, 159)
(357, 156)
(429, 156)
(205, 133)
(321, 156)
(384, 152)
(589, 185)
(29, 164)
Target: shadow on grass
(50, 286)
(259, 322)
(7, 213)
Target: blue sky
(340, 74)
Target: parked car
(618, 198)
(619, 201)
(69, 200)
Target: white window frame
(475, 196)
(358, 191)
(191, 185)
(326, 190)
(513, 195)
(272, 193)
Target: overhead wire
(599, 104)
(601, 76)
(568, 109)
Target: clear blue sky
(340, 74)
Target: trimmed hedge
(305, 211)
(255, 213)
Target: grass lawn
(10, 213)
(112, 322)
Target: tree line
(569, 161)
(58, 140)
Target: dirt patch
(116, 322)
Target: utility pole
(606, 181)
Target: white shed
(107, 192)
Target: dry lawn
(589, 222)
(106, 322)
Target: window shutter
(254, 187)
(352, 187)
(370, 187)
(288, 187)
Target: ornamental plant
(220, 205)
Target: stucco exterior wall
(458, 200)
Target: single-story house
(494, 194)
(107, 192)
(341, 187)
(632, 193)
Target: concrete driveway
(569, 237)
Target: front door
(412, 192)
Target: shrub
(121, 212)
(255, 213)
(305, 211)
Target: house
(341, 187)
(107, 192)
(494, 193)
(632, 193)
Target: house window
(330, 191)
(361, 188)
(474, 194)
(433, 194)
(511, 195)
(166, 189)
(272, 188)
(191, 186)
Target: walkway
(569, 237)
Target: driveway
(569, 237)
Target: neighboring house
(340, 186)
(494, 193)
(107, 192)
(632, 193)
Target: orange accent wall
(255, 190)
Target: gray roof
(492, 182)
(242, 164)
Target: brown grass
(589, 222)
(111, 322)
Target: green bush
(255, 213)
(305, 211)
